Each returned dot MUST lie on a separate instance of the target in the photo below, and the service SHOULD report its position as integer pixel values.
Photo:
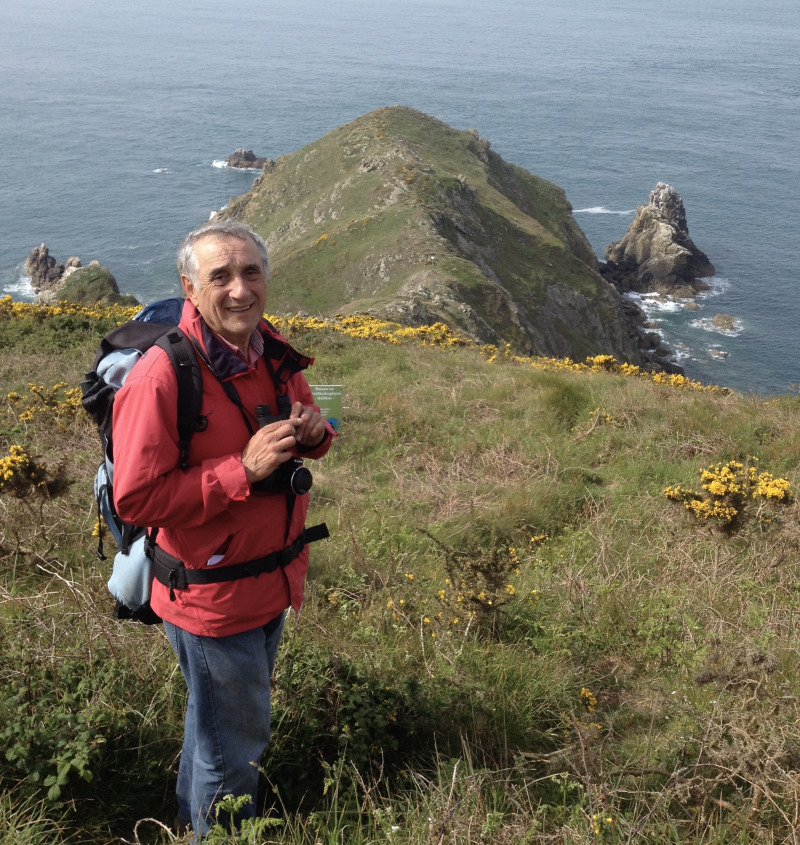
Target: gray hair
(187, 260)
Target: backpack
(138, 559)
(120, 349)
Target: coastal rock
(725, 322)
(92, 284)
(44, 270)
(71, 282)
(247, 160)
(657, 254)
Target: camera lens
(301, 481)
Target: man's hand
(270, 447)
(311, 429)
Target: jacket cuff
(232, 478)
(299, 447)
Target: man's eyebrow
(226, 268)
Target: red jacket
(208, 510)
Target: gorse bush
(59, 401)
(511, 636)
(20, 473)
(729, 494)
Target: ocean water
(113, 116)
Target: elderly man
(230, 555)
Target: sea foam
(601, 209)
(708, 326)
(654, 303)
(20, 288)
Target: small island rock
(247, 160)
(726, 322)
(656, 254)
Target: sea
(116, 118)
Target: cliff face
(400, 216)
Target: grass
(512, 636)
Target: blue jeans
(227, 718)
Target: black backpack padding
(98, 396)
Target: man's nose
(238, 286)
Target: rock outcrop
(657, 254)
(71, 282)
(45, 272)
(247, 160)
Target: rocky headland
(402, 217)
(71, 281)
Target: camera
(292, 476)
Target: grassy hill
(512, 636)
(400, 216)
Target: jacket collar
(282, 359)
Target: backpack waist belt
(171, 572)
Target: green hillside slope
(559, 604)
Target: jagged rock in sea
(247, 160)
(402, 217)
(44, 270)
(71, 282)
(656, 254)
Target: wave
(221, 164)
(681, 353)
(717, 286)
(654, 303)
(162, 170)
(601, 209)
(20, 289)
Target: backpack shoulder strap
(181, 354)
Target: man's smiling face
(233, 286)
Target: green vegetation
(538, 618)
(93, 283)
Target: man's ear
(189, 289)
